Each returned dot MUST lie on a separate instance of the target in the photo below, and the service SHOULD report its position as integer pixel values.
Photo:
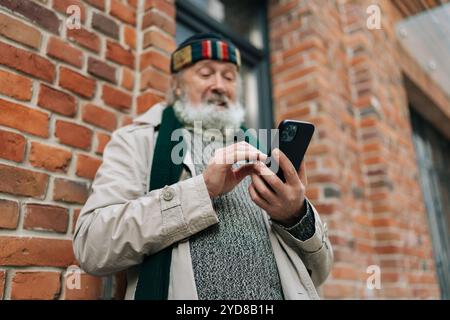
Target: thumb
(302, 173)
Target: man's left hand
(285, 202)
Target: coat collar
(152, 116)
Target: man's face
(211, 82)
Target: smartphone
(292, 138)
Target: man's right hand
(219, 175)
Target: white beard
(210, 115)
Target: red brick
(22, 182)
(73, 134)
(339, 291)
(76, 214)
(312, 193)
(77, 83)
(156, 19)
(70, 191)
(325, 208)
(49, 157)
(15, 86)
(34, 12)
(62, 5)
(284, 8)
(116, 53)
(161, 5)
(300, 47)
(62, 51)
(9, 217)
(102, 141)
(159, 40)
(323, 177)
(97, 3)
(91, 288)
(129, 35)
(126, 120)
(16, 30)
(295, 74)
(105, 25)
(345, 273)
(57, 101)
(2, 283)
(127, 79)
(30, 285)
(116, 98)
(27, 62)
(87, 166)
(46, 217)
(156, 59)
(123, 12)
(389, 249)
(147, 100)
(151, 78)
(84, 38)
(102, 70)
(133, 3)
(32, 251)
(12, 146)
(99, 117)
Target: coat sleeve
(121, 223)
(315, 252)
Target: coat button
(168, 193)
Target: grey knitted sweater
(234, 259)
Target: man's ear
(176, 84)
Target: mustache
(218, 98)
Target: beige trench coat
(121, 221)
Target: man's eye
(229, 77)
(204, 73)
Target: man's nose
(219, 84)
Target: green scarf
(154, 273)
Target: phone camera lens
(288, 134)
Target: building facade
(377, 167)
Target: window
(244, 23)
(433, 157)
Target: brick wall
(328, 68)
(62, 93)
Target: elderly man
(201, 228)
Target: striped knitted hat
(201, 47)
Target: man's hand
(219, 175)
(284, 203)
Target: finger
(262, 189)
(244, 146)
(286, 165)
(269, 177)
(257, 198)
(302, 174)
(243, 171)
(233, 156)
(229, 156)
